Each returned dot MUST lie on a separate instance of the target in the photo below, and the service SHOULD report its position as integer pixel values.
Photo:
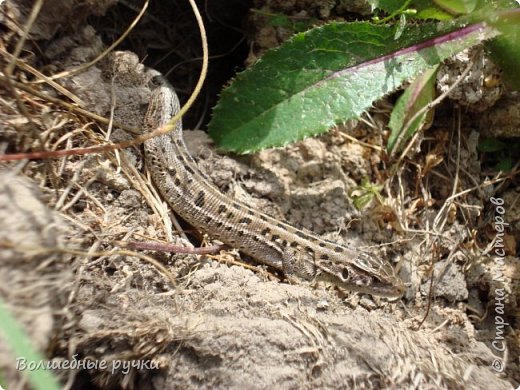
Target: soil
(222, 320)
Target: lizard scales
(272, 242)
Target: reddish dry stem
(162, 247)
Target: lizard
(270, 241)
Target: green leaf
(505, 48)
(389, 6)
(392, 7)
(491, 145)
(400, 26)
(326, 76)
(293, 23)
(417, 96)
(280, 20)
(457, 7)
(20, 344)
(502, 155)
(505, 164)
(364, 194)
(434, 13)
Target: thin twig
(171, 248)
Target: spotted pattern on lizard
(295, 252)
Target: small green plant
(292, 23)
(364, 194)
(499, 154)
(409, 115)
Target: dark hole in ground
(167, 38)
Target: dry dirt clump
(220, 321)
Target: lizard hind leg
(296, 265)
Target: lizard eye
(344, 274)
(156, 81)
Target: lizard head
(353, 270)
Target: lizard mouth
(366, 284)
(394, 290)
